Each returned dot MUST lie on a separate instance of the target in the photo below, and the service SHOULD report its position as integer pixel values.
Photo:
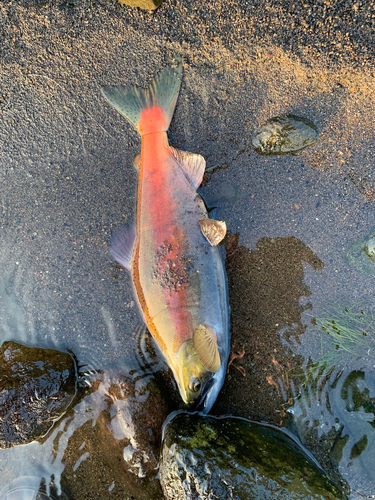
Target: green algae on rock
(36, 388)
(143, 4)
(360, 255)
(206, 457)
(285, 134)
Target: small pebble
(143, 4)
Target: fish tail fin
(148, 110)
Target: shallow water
(331, 410)
(67, 182)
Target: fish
(171, 252)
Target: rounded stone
(285, 134)
(142, 4)
(369, 248)
(205, 457)
(360, 254)
(36, 388)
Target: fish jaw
(211, 386)
(208, 398)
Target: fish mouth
(201, 403)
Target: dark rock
(143, 4)
(36, 388)
(215, 458)
(285, 134)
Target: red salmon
(176, 267)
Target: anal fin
(213, 230)
(122, 244)
(192, 165)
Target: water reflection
(114, 429)
(334, 416)
(121, 439)
(334, 412)
(103, 417)
(30, 488)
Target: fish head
(191, 375)
(194, 380)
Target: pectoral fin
(122, 244)
(205, 345)
(137, 161)
(213, 230)
(192, 165)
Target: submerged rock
(133, 424)
(285, 134)
(36, 388)
(143, 4)
(360, 254)
(207, 458)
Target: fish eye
(195, 385)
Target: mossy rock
(360, 255)
(36, 388)
(207, 458)
(284, 135)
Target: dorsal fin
(205, 345)
(193, 166)
(213, 230)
